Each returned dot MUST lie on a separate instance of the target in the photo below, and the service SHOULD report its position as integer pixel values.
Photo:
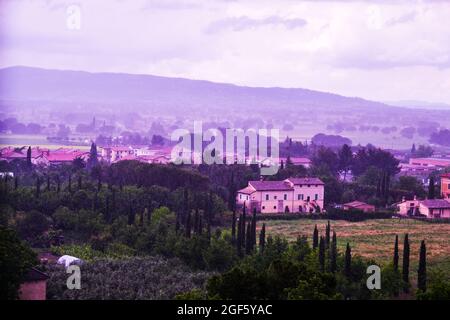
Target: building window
(309, 186)
(285, 196)
(275, 197)
(240, 196)
(316, 197)
(274, 207)
(263, 207)
(267, 197)
(300, 197)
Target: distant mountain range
(419, 104)
(76, 87)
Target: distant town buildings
(43, 156)
(445, 186)
(358, 205)
(290, 195)
(430, 162)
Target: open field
(375, 238)
(20, 140)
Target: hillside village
(291, 195)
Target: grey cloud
(409, 17)
(244, 22)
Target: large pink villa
(290, 195)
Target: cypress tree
(233, 228)
(5, 181)
(378, 193)
(16, 182)
(413, 149)
(48, 183)
(70, 183)
(322, 254)
(209, 208)
(405, 269)
(93, 157)
(208, 231)
(395, 262)
(196, 221)
(107, 213)
(80, 182)
(200, 225)
(333, 254)
(248, 240)
(141, 217)
(431, 188)
(58, 184)
(177, 223)
(315, 237)
(186, 204)
(99, 183)
(188, 225)
(29, 164)
(130, 214)
(113, 199)
(95, 202)
(348, 261)
(387, 187)
(254, 229)
(38, 187)
(149, 215)
(422, 271)
(239, 237)
(243, 224)
(383, 185)
(327, 234)
(262, 238)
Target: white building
(290, 195)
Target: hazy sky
(383, 50)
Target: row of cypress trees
(422, 269)
(329, 243)
(243, 233)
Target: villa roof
(35, 275)
(445, 175)
(64, 156)
(436, 204)
(270, 185)
(306, 180)
(247, 190)
(355, 204)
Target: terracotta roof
(247, 190)
(445, 175)
(64, 156)
(355, 204)
(436, 204)
(35, 275)
(270, 185)
(307, 180)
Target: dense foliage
(16, 258)
(135, 278)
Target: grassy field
(20, 140)
(375, 238)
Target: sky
(384, 50)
